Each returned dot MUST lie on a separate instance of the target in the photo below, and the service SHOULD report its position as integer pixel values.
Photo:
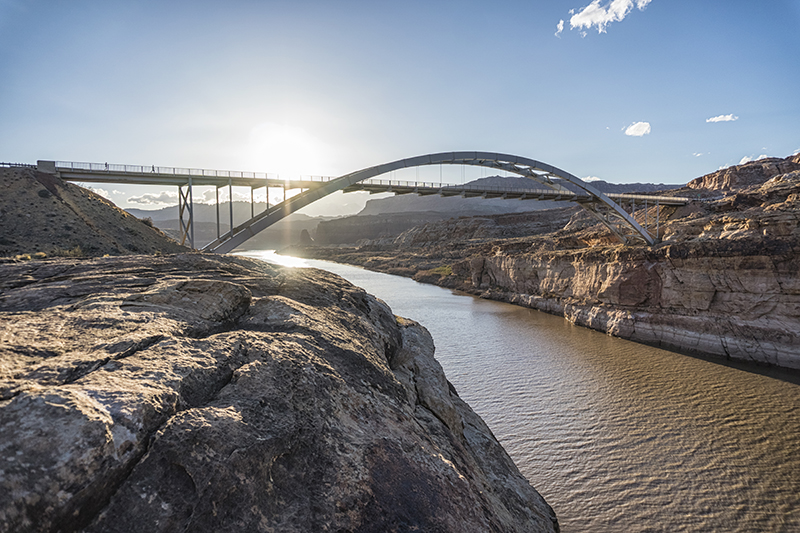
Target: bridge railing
(457, 187)
(176, 171)
(625, 197)
(24, 165)
(648, 198)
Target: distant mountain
(280, 235)
(457, 206)
(208, 212)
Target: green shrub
(444, 270)
(72, 252)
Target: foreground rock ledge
(218, 393)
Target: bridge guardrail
(23, 165)
(457, 187)
(177, 171)
(533, 192)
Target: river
(617, 436)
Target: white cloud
(592, 178)
(638, 129)
(164, 197)
(559, 28)
(601, 16)
(102, 192)
(747, 159)
(697, 154)
(723, 118)
(209, 197)
(115, 191)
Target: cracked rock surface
(219, 393)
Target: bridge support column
(658, 216)
(191, 215)
(216, 194)
(186, 205)
(230, 204)
(181, 225)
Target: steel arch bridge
(599, 205)
(554, 180)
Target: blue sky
(305, 87)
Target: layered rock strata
(214, 393)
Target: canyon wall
(729, 302)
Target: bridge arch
(611, 214)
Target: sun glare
(287, 150)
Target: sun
(287, 150)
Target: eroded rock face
(197, 393)
(747, 174)
(722, 301)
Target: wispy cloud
(600, 16)
(162, 198)
(559, 28)
(698, 154)
(638, 129)
(723, 118)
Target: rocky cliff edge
(197, 393)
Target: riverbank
(219, 393)
(722, 283)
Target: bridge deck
(425, 189)
(154, 175)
